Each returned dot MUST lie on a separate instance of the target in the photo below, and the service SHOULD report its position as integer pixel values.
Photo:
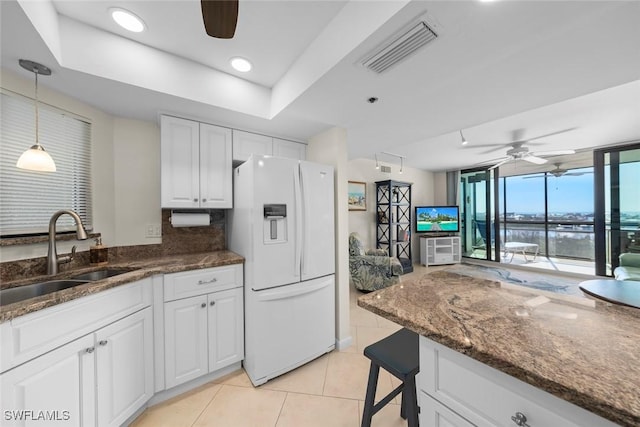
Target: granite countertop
(140, 268)
(583, 351)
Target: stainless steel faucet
(52, 255)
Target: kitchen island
(581, 351)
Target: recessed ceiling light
(127, 20)
(241, 64)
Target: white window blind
(29, 198)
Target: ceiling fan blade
(533, 176)
(533, 159)
(554, 153)
(508, 159)
(220, 17)
(551, 134)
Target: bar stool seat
(398, 355)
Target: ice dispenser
(275, 223)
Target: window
(28, 198)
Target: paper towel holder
(190, 218)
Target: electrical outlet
(153, 231)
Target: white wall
(440, 188)
(364, 222)
(125, 172)
(330, 147)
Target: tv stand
(439, 250)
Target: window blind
(29, 198)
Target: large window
(28, 198)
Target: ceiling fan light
(36, 159)
(241, 64)
(127, 20)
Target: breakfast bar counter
(582, 351)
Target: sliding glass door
(617, 215)
(478, 226)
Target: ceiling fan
(519, 151)
(220, 17)
(558, 172)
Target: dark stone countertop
(586, 353)
(140, 268)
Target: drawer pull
(103, 342)
(90, 350)
(520, 419)
(203, 305)
(206, 282)
(212, 303)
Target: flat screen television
(437, 219)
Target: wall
(330, 147)
(125, 172)
(440, 188)
(364, 222)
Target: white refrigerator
(282, 223)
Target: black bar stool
(398, 354)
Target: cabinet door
(246, 143)
(216, 173)
(124, 367)
(289, 149)
(185, 340)
(60, 384)
(179, 160)
(432, 413)
(226, 328)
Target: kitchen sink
(21, 293)
(100, 274)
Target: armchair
(373, 269)
(629, 268)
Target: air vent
(400, 48)
(385, 169)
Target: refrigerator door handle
(298, 208)
(284, 292)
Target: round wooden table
(624, 292)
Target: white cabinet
(196, 164)
(246, 143)
(124, 372)
(61, 381)
(467, 392)
(289, 149)
(204, 322)
(439, 250)
(112, 367)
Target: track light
(464, 141)
(377, 165)
(401, 164)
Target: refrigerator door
(318, 246)
(276, 247)
(288, 326)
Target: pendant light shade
(36, 158)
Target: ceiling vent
(400, 48)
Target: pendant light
(36, 158)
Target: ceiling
(497, 69)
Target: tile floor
(327, 392)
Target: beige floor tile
(180, 411)
(389, 416)
(353, 348)
(242, 406)
(302, 410)
(238, 378)
(384, 323)
(361, 317)
(347, 376)
(307, 379)
(368, 335)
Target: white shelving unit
(439, 250)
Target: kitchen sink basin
(100, 274)
(21, 293)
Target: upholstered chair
(373, 269)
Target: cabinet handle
(520, 419)
(206, 282)
(212, 303)
(195, 200)
(203, 305)
(90, 350)
(103, 342)
(204, 200)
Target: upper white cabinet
(246, 143)
(196, 164)
(289, 149)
